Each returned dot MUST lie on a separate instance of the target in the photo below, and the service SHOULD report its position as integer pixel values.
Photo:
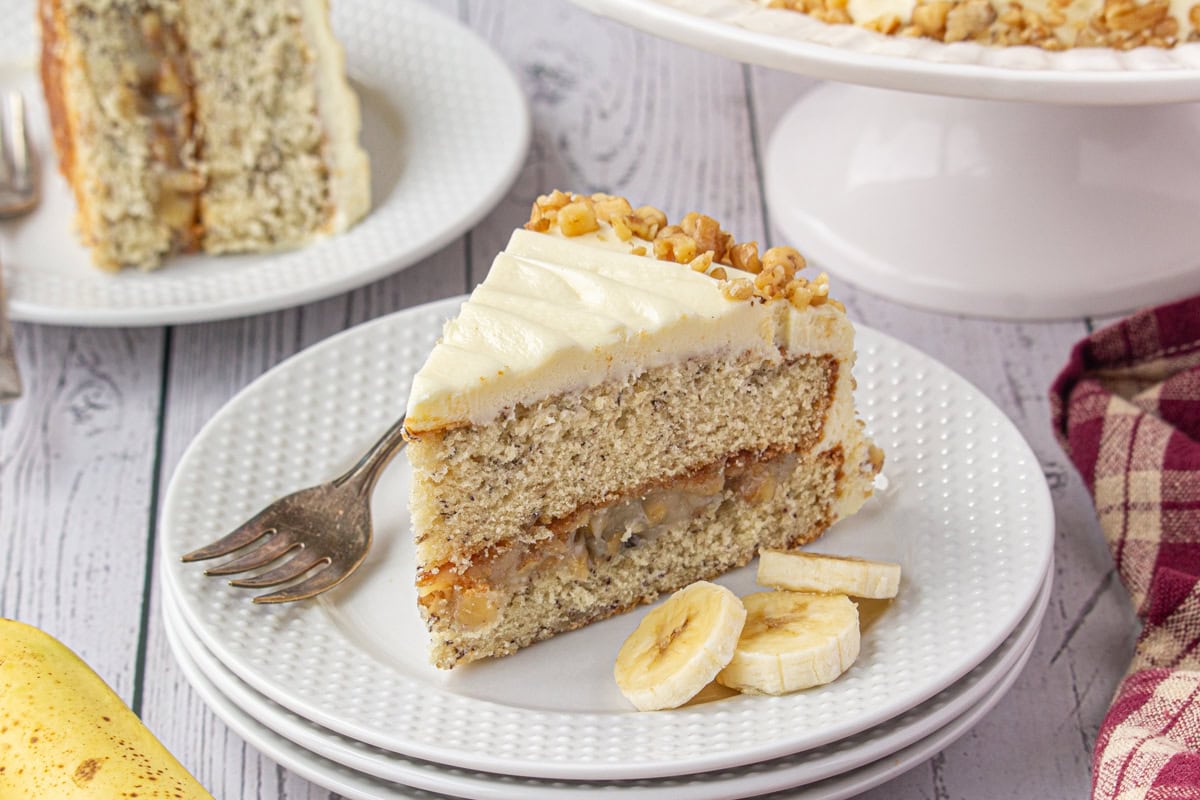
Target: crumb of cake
(698, 241)
(875, 456)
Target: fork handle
(363, 475)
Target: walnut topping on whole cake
(698, 241)
(1048, 24)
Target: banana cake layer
(215, 125)
(621, 408)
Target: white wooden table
(87, 453)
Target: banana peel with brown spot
(65, 734)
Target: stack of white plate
(339, 689)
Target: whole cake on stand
(1072, 198)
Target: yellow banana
(792, 641)
(680, 646)
(799, 571)
(64, 734)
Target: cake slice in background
(214, 125)
(598, 426)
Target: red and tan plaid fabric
(1127, 410)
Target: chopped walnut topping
(1125, 15)
(646, 222)
(576, 219)
(800, 296)
(672, 244)
(788, 258)
(1119, 24)
(744, 256)
(611, 208)
(707, 234)
(621, 229)
(702, 262)
(931, 17)
(696, 241)
(738, 289)
(967, 20)
(888, 23)
(545, 210)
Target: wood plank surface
(76, 474)
(87, 453)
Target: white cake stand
(1007, 182)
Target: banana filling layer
(472, 594)
(161, 78)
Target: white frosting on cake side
(337, 105)
(556, 315)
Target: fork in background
(18, 195)
(18, 184)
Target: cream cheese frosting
(337, 104)
(555, 315)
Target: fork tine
(5, 148)
(292, 568)
(20, 141)
(264, 554)
(239, 538)
(323, 579)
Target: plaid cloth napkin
(1127, 411)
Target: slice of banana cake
(623, 407)
(214, 125)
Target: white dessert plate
(789, 772)
(968, 515)
(745, 31)
(351, 783)
(444, 122)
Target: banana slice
(812, 572)
(792, 641)
(680, 646)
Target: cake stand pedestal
(1003, 182)
(990, 208)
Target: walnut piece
(577, 218)
(968, 19)
(1119, 24)
(697, 241)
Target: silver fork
(328, 526)
(18, 195)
